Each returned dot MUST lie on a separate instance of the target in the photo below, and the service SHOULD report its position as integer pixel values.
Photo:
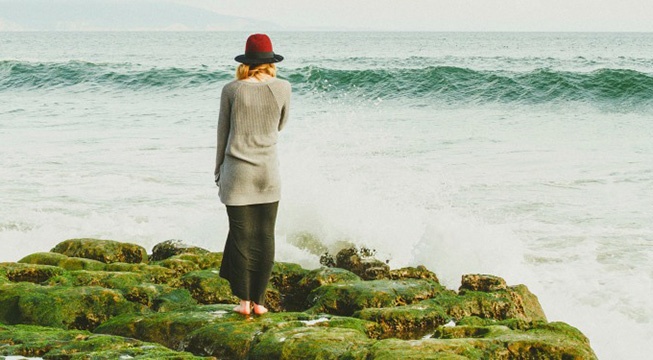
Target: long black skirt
(249, 252)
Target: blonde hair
(245, 71)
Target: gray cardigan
(251, 116)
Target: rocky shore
(103, 299)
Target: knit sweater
(251, 116)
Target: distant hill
(119, 15)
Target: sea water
(528, 156)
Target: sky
(377, 15)
(446, 15)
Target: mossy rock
(153, 273)
(428, 349)
(528, 302)
(286, 276)
(106, 251)
(482, 282)
(419, 272)
(63, 307)
(405, 322)
(106, 279)
(209, 260)
(225, 339)
(169, 248)
(361, 263)
(295, 298)
(515, 324)
(207, 287)
(52, 343)
(311, 343)
(554, 341)
(133, 286)
(347, 298)
(179, 266)
(34, 273)
(63, 261)
(170, 328)
(498, 305)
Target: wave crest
(444, 83)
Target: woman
(253, 109)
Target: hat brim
(255, 61)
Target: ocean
(523, 155)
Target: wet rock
(157, 302)
(362, 263)
(419, 272)
(169, 248)
(105, 279)
(207, 287)
(347, 298)
(313, 280)
(405, 322)
(431, 349)
(478, 282)
(167, 328)
(63, 307)
(286, 276)
(62, 261)
(179, 266)
(106, 251)
(225, 339)
(497, 305)
(33, 273)
(539, 341)
(527, 302)
(52, 343)
(311, 343)
(205, 261)
(152, 273)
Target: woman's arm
(285, 108)
(224, 124)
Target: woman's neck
(260, 78)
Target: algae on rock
(111, 289)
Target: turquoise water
(528, 156)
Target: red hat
(258, 50)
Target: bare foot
(243, 308)
(259, 309)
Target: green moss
(497, 305)
(169, 248)
(51, 343)
(419, 272)
(528, 302)
(541, 341)
(179, 266)
(35, 273)
(428, 349)
(170, 328)
(311, 343)
(64, 307)
(405, 322)
(208, 260)
(106, 279)
(347, 298)
(286, 276)
(153, 273)
(106, 251)
(63, 261)
(207, 287)
(224, 340)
